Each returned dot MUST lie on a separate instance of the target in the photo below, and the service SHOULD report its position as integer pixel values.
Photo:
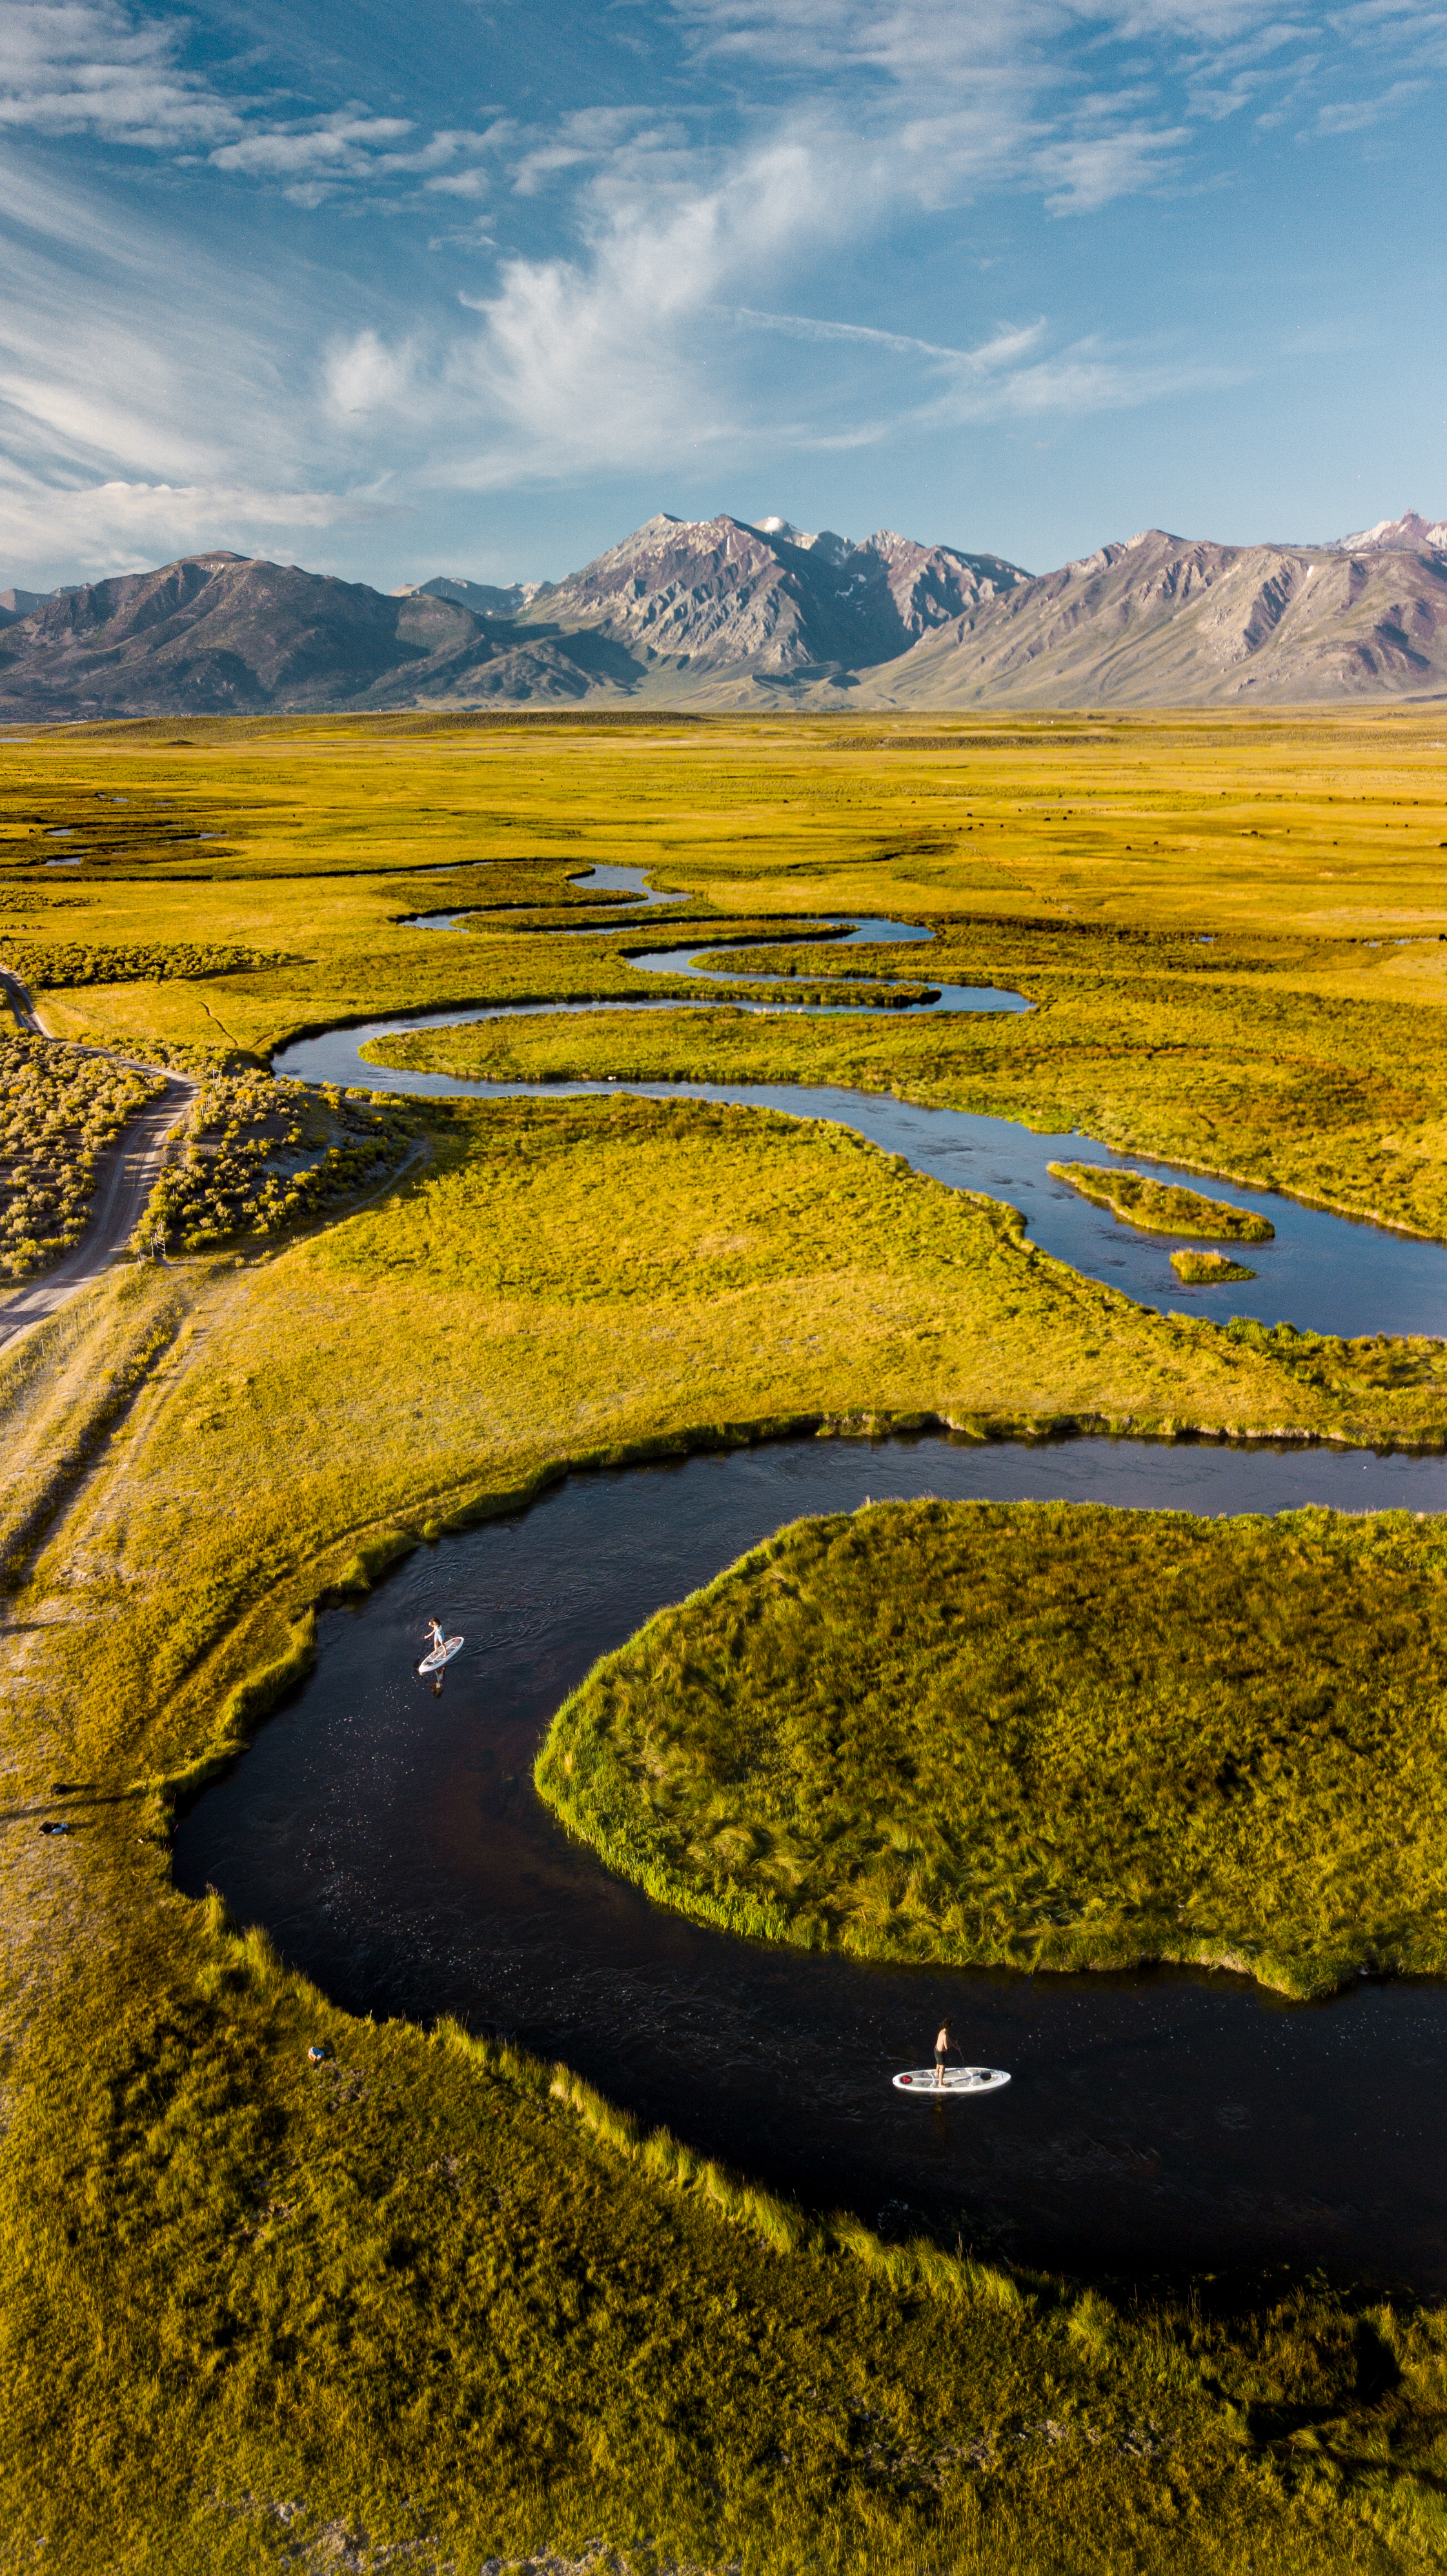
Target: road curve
(126, 1178)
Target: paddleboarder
(942, 2050)
(438, 1641)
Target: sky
(476, 286)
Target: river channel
(394, 1845)
(1324, 1273)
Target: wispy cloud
(133, 433)
(643, 258)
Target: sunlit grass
(426, 2293)
(1160, 1207)
(1046, 1736)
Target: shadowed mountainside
(718, 614)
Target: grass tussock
(1162, 1207)
(1043, 1736)
(1207, 1269)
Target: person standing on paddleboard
(942, 2050)
(434, 1628)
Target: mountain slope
(717, 596)
(221, 634)
(716, 613)
(1166, 621)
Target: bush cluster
(59, 1109)
(1207, 1269)
(260, 1154)
(148, 962)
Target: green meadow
(432, 2295)
(1041, 1736)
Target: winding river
(394, 1846)
(1329, 1274)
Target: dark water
(394, 1845)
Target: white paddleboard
(441, 1655)
(958, 2080)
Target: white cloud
(90, 66)
(133, 433)
(340, 143)
(363, 376)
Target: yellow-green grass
(1160, 1207)
(1207, 1269)
(1042, 1736)
(1347, 1109)
(1187, 902)
(422, 2293)
(200, 1454)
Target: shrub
(59, 1109)
(261, 1155)
(50, 969)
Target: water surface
(394, 1845)
(1329, 1274)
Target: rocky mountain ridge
(723, 613)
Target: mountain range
(719, 613)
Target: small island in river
(1162, 1207)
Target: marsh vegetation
(425, 2294)
(1046, 1736)
(1163, 1207)
(1207, 1269)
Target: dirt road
(128, 1171)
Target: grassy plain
(423, 2294)
(1041, 1736)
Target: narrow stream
(1324, 1273)
(1329, 1274)
(395, 1848)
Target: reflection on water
(394, 1845)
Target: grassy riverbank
(421, 2295)
(412, 2293)
(1041, 1736)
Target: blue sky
(477, 285)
